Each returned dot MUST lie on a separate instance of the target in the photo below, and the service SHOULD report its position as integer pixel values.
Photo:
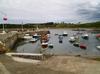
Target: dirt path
(3, 70)
(73, 64)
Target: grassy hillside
(54, 25)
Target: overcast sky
(37, 11)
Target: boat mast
(37, 28)
(22, 26)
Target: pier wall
(10, 38)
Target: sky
(40, 11)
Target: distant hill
(92, 24)
(54, 25)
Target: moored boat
(27, 36)
(98, 47)
(44, 38)
(65, 33)
(72, 39)
(60, 37)
(48, 32)
(98, 36)
(76, 44)
(36, 36)
(60, 41)
(82, 46)
(56, 34)
(85, 36)
(50, 45)
(44, 45)
(33, 40)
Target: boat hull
(83, 47)
(76, 44)
(44, 45)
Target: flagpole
(5, 19)
(3, 28)
(22, 26)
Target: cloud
(50, 10)
(89, 11)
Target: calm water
(65, 48)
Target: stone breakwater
(7, 40)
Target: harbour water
(64, 48)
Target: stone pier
(8, 39)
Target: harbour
(49, 37)
(64, 48)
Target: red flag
(5, 18)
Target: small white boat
(65, 33)
(50, 45)
(72, 39)
(36, 36)
(85, 36)
(76, 44)
(27, 36)
(33, 40)
(98, 47)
